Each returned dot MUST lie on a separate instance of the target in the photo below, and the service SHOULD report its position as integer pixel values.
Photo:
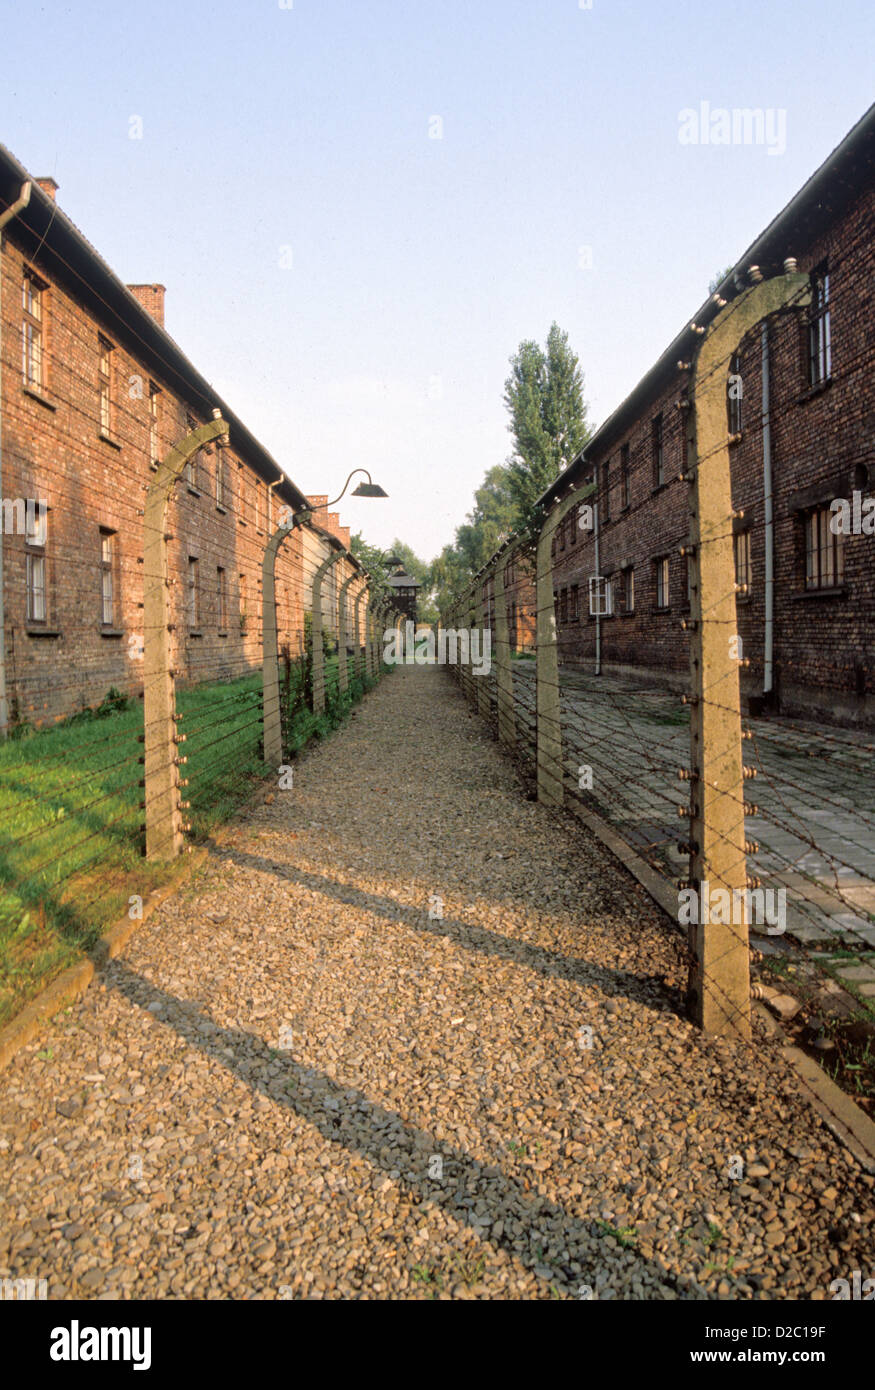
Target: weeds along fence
(762, 823)
(99, 795)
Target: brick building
(93, 392)
(815, 367)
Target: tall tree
(548, 423)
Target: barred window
(629, 589)
(819, 332)
(32, 315)
(154, 414)
(107, 578)
(36, 541)
(662, 578)
(193, 595)
(733, 396)
(104, 386)
(221, 599)
(625, 490)
(741, 543)
(658, 451)
(824, 551)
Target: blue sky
(354, 286)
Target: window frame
(192, 595)
(662, 567)
(221, 599)
(36, 550)
(734, 403)
(827, 542)
(33, 329)
(106, 403)
(742, 562)
(154, 424)
(657, 440)
(629, 589)
(108, 570)
(625, 478)
(819, 328)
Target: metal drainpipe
(769, 529)
(598, 621)
(12, 211)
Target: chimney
(152, 299)
(48, 186)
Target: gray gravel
(297, 1083)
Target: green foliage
(113, 702)
(544, 398)
(548, 426)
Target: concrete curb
(74, 981)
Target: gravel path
(297, 1083)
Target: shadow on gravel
(651, 990)
(345, 1116)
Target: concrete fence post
(720, 975)
(316, 630)
(481, 682)
(272, 741)
(360, 647)
(503, 666)
(161, 740)
(343, 631)
(549, 728)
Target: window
(741, 543)
(193, 597)
(562, 530)
(105, 386)
(221, 599)
(658, 451)
(563, 606)
(32, 312)
(662, 582)
(241, 585)
(36, 540)
(819, 340)
(191, 469)
(107, 578)
(824, 552)
(154, 408)
(624, 476)
(733, 396)
(606, 491)
(574, 603)
(220, 477)
(256, 504)
(629, 590)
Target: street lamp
(368, 489)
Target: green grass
(71, 825)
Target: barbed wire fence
(101, 795)
(667, 778)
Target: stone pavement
(406, 1035)
(815, 790)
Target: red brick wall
(53, 449)
(824, 645)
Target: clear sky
(354, 286)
